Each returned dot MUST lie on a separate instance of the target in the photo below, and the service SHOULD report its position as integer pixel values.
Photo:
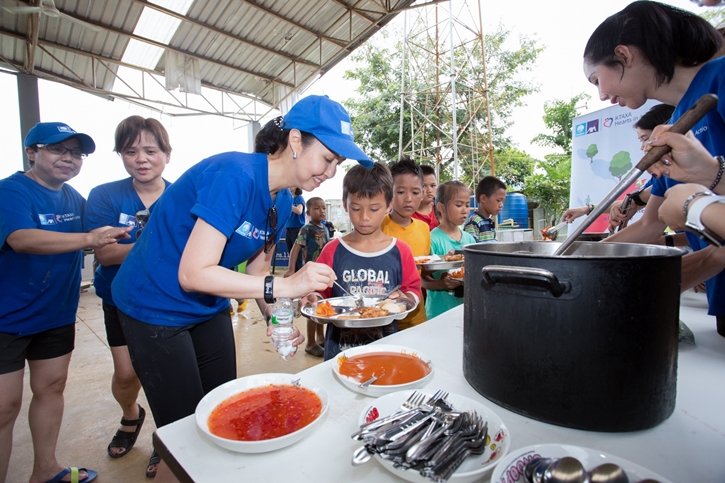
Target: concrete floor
(92, 415)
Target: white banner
(604, 148)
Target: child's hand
(450, 283)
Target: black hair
(311, 200)
(665, 35)
(368, 182)
(427, 170)
(272, 138)
(128, 131)
(488, 186)
(297, 191)
(446, 192)
(659, 114)
(405, 165)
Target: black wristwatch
(269, 289)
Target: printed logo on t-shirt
(245, 229)
(127, 220)
(47, 219)
(53, 219)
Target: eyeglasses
(271, 225)
(142, 217)
(61, 150)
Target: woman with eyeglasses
(174, 287)
(654, 51)
(144, 147)
(42, 240)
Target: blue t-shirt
(38, 292)
(710, 131)
(295, 220)
(112, 204)
(229, 191)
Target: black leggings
(177, 366)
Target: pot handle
(493, 274)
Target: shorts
(114, 331)
(15, 349)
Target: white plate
(474, 467)
(231, 388)
(377, 390)
(510, 469)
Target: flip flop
(74, 475)
(316, 351)
(125, 439)
(154, 460)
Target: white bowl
(378, 390)
(510, 469)
(231, 388)
(474, 468)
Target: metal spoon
(369, 381)
(361, 456)
(358, 298)
(565, 470)
(533, 464)
(608, 473)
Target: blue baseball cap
(57, 132)
(329, 122)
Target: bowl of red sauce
(263, 412)
(396, 367)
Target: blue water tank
(515, 206)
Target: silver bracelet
(686, 206)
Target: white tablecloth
(687, 447)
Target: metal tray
(436, 262)
(346, 305)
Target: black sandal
(154, 460)
(125, 439)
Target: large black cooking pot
(587, 340)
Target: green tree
(550, 185)
(621, 164)
(558, 116)
(591, 152)
(375, 111)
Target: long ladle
(684, 124)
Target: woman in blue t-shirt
(144, 147)
(42, 243)
(654, 51)
(174, 287)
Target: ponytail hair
(273, 138)
(446, 192)
(665, 35)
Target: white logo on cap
(346, 128)
(65, 129)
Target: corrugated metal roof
(256, 50)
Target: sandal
(316, 351)
(153, 461)
(124, 439)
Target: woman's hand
(689, 161)
(101, 238)
(671, 212)
(573, 213)
(312, 277)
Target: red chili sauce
(390, 368)
(265, 413)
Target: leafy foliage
(621, 164)
(550, 188)
(592, 151)
(557, 118)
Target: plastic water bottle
(283, 315)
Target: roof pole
(402, 86)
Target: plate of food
(251, 414)
(511, 467)
(457, 274)
(473, 468)
(439, 262)
(344, 312)
(395, 367)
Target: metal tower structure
(444, 73)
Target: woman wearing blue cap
(42, 240)
(174, 287)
